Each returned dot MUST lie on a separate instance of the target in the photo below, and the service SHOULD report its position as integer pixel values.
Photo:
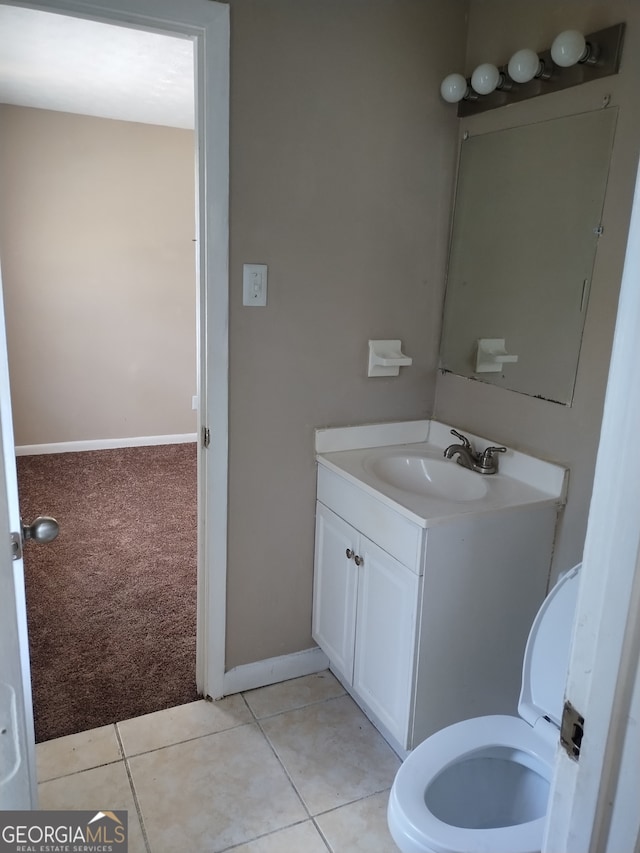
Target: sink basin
(429, 477)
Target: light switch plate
(254, 284)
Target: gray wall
(342, 160)
(96, 239)
(497, 28)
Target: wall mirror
(527, 219)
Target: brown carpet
(111, 603)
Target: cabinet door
(335, 589)
(386, 637)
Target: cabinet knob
(359, 561)
(350, 554)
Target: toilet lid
(546, 658)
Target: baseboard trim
(104, 444)
(272, 670)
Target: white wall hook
(386, 358)
(492, 354)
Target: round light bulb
(453, 88)
(524, 65)
(485, 78)
(568, 48)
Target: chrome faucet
(483, 462)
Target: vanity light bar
(573, 59)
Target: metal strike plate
(571, 731)
(16, 546)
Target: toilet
(482, 785)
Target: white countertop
(522, 480)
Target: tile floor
(291, 768)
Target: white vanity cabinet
(364, 618)
(430, 627)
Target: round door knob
(43, 529)
(359, 561)
(350, 554)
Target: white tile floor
(291, 768)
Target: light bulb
(453, 88)
(568, 48)
(524, 65)
(485, 78)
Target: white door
(18, 784)
(594, 800)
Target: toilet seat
(409, 815)
(440, 790)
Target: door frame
(207, 25)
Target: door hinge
(206, 436)
(571, 731)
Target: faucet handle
(463, 438)
(486, 457)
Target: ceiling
(55, 62)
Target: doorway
(209, 655)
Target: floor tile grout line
(134, 794)
(293, 784)
(83, 770)
(308, 817)
(321, 834)
(187, 739)
(314, 818)
(116, 732)
(264, 835)
(351, 802)
(278, 759)
(145, 751)
(295, 707)
(325, 811)
(254, 718)
(266, 736)
(247, 705)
